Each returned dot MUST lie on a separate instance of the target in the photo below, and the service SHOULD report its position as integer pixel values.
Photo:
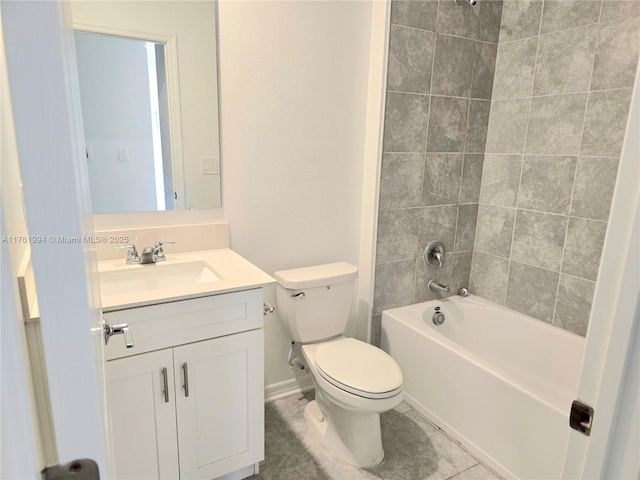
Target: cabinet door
(221, 421)
(142, 418)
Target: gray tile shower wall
(441, 69)
(562, 89)
(502, 134)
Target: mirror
(126, 124)
(150, 110)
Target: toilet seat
(359, 368)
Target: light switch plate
(123, 154)
(209, 166)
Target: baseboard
(245, 472)
(288, 387)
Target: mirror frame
(173, 95)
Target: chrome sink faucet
(132, 254)
(154, 254)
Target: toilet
(355, 382)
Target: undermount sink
(155, 276)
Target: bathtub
(498, 382)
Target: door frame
(609, 337)
(42, 74)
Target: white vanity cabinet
(143, 426)
(189, 403)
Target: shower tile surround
(552, 181)
(508, 153)
(440, 78)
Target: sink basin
(139, 278)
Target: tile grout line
(433, 63)
(428, 206)
(453, 477)
(533, 210)
(455, 234)
(561, 94)
(540, 155)
(484, 153)
(466, 137)
(526, 135)
(478, 99)
(615, 157)
(426, 145)
(600, 13)
(575, 173)
(565, 29)
(538, 267)
(408, 27)
(564, 245)
(460, 445)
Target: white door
(608, 364)
(19, 456)
(41, 70)
(219, 396)
(142, 411)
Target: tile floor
(414, 449)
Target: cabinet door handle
(185, 370)
(165, 385)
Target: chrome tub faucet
(437, 287)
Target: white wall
(116, 114)
(293, 82)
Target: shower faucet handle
(433, 255)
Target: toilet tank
(314, 302)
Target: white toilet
(354, 381)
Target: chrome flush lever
(120, 329)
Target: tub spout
(437, 286)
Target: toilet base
(353, 437)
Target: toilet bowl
(354, 381)
(349, 398)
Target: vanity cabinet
(143, 426)
(194, 407)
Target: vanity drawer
(176, 323)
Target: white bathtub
(497, 381)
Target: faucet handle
(433, 255)
(132, 255)
(158, 252)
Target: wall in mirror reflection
(126, 124)
(150, 110)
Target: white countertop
(235, 274)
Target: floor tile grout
(414, 448)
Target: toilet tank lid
(316, 276)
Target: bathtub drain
(438, 316)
